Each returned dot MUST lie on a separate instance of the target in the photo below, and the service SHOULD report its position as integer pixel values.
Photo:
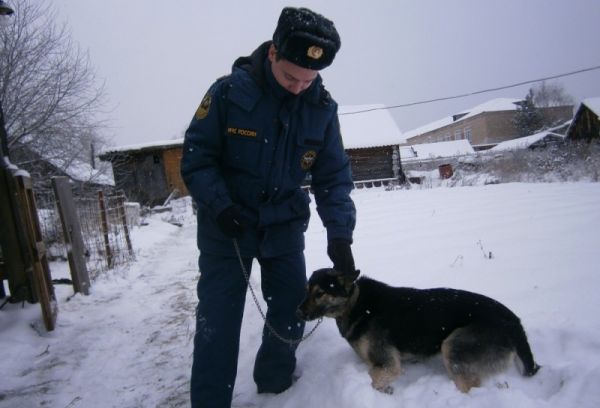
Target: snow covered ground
(129, 343)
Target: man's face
(290, 76)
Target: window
(468, 134)
(458, 134)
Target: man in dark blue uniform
(255, 137)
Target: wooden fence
(91, 233)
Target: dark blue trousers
(221, 298)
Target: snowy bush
(573, 161)
(567, 162)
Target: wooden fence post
(72, 232)
(104, 218)
(123, 215)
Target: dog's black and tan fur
(477, 336)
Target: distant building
(371, 139)
(484, 126)
(426, 157)
(426, 152)
(586, 123)
(148, 173)
(84, 178)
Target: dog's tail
(528, 365)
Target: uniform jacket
(251, 143)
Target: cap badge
(314, 52)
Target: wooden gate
(24, 251)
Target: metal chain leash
(291, 342)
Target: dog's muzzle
(304, 313)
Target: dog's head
(328, 292)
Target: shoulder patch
(204, 107)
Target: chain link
(291, 342)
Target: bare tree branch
(547, 95)
(52, 100)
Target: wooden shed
(375, 165)
(586, 123)
(371, 139)
(148, 173)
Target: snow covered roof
(425, 151)
(78, 169)
(526, 141)
(144, 146)
(494, 105)
(368, 126)
(81, 171)
(593, 104)
(361, 125)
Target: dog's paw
(388, 389)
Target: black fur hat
(306, 38)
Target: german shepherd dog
(477, 336)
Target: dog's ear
(347, 280)
(351, 276)
(333, 272)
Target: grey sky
(159, 57)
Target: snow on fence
(376, 182)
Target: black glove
(341, 255)
(230, 222)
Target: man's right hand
(341, 255)
(230, 222)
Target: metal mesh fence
(103, 227)
(52, 232)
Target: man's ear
(272, 53)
